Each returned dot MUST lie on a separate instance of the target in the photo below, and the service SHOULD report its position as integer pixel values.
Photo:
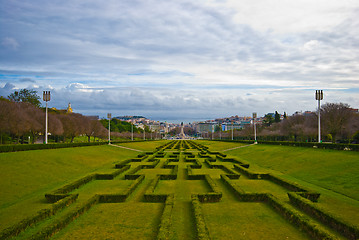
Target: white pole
(46, 125)
(131, 131)
(109, 131)
(232, 131)
(319, 96)
(109, 127)
(255, 132)
(319, 140)
(220, 132)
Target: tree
(268, 119)
(285, 115)
(25, 95)
(276, 117)
(335, 117)
(293, 126)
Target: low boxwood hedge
(346, 229)
(201, 227)
(17, 228)
(164, 231)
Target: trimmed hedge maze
(182, 190)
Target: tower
(69, 109)
(182, 136)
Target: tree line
(339, 123)
(23, 120)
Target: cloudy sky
(179, 59)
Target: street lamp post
(46, 98)
(109, 127)
(319, 96)
(220, 132)
(254, 123)
(232, 130)
(131, 131)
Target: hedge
(346, 229)
(307, 193)
(215, 195)
(242, 195)
(313, 196)
(249, 173)
(336, 146)
(201, 227)
(295, 217)
(110, 176)
(149, 194)
(292, 215)
(27, 147)
(59, 224)
(121, 197)
(172, 175)
(63, 191)
(164, 231)
(17, 228)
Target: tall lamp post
(319, 96)
(220, 131)
(109, 127)
(254, 123)
(232, 130)
(46, 98)
(131, 131)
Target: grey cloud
(27, 80)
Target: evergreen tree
(25, 95)
(268, 120)
(276, 117)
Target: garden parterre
(182, 190)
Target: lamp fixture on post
(46, 97)
(109, 127)
(254, 123)
(319, 96)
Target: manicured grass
(116, 221)
(331, 169)
(247, 221)
(220, 146)
(137, 217)
(144, 146)
(26, 176)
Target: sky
(179, 59)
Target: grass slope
(26, 176)
(331, 169)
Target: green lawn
(26, 176)
(331, 169)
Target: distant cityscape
(224, 124)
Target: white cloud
(284, 16)
(311, 45)
(10, 43)
(182, 55)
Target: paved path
(126, 148)
(238, 147)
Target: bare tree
(335, 117)
(293, 126)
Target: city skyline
(181, 60)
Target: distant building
(69, 109)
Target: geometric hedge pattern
(182, 190)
